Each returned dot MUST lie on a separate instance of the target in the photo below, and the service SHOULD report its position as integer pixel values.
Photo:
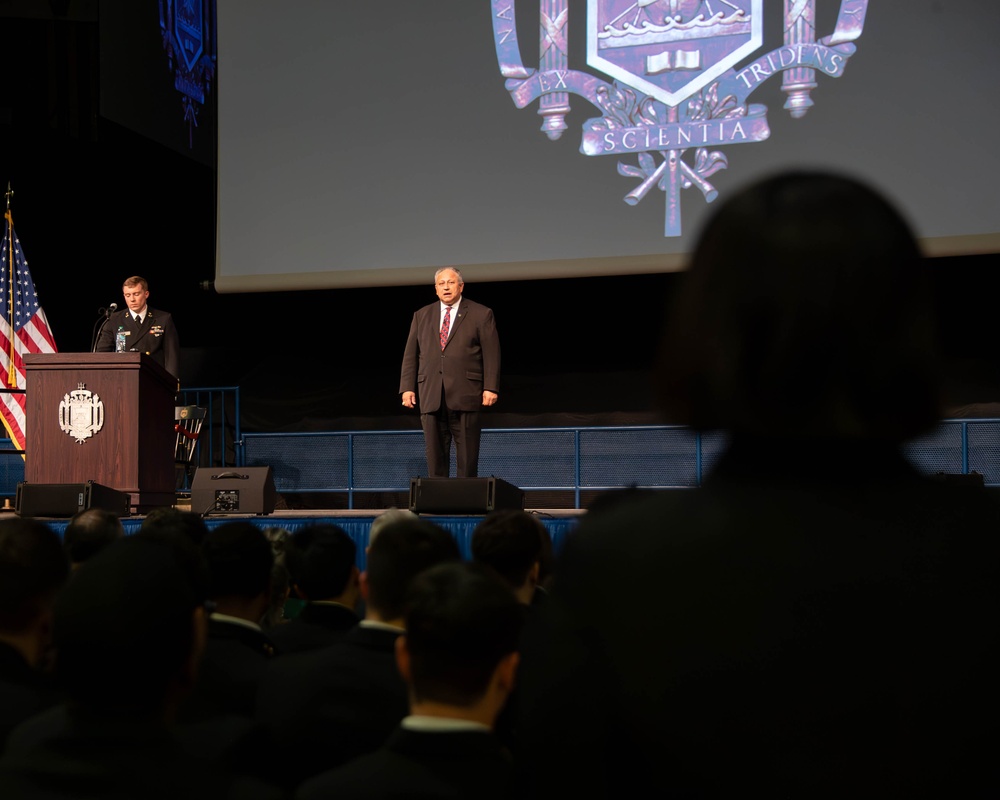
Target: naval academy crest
(678, 91)
(81, 413)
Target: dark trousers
(443, 426)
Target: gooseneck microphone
(99, 326)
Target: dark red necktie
(445, 326)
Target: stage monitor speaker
(67, 499)
(233, 490)
(463, 495)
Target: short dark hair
(89, 531)
(33, 567)
(461, 620)
(176, 521)
(320, 560)
(404, 548)
(509, 541)
(807, 311)
(239, 559)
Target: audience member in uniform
(33, 567)
(514, 544)
(239, 560)
(818, 619)
(458, 659)
(326, 706)
(391, 514)
(89, 531)
(322, 567)
(129, 629)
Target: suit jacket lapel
(463, 309)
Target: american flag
(23, 329)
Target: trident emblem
(676, 92)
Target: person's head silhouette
(806, 312)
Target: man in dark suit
(146, 330)
(451, 369)
(323, 573)
(240, 562)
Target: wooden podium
(105, 417)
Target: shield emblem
(81, 414)
(671, 49)
(189, 31)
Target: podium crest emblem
(81, 413)
(680, 80)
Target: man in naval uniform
(147, 330)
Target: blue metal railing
(572, 459)
(221, 434)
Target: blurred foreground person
(33, 567)
(818, 620)
(129, 630)
(88, 532)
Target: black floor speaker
(233, 490)
(67, 499)
(463, 495)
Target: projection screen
(367, 143)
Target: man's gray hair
(389, 515)
(446, 269)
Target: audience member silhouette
(175, 522)
(239, 560)
(89, 531)
(33, 567)
(322, 566)
(511, 542)
(129, 628)
(818, 620)
(391, 514)
(514, 544)
(458, 659)
(327, 706)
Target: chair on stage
(188, 421)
